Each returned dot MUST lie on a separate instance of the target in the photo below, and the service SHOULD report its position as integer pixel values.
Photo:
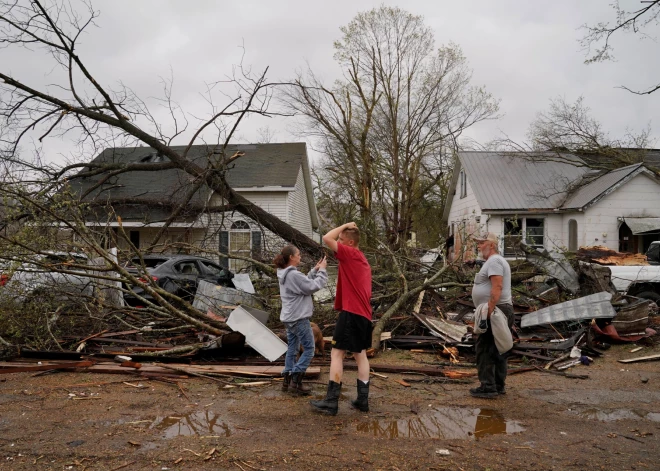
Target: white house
(275, 177)
(552, 201)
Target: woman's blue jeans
(298, 333)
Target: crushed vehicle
(176, 274)
(54, 275)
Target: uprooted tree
(46, 218)
(83, 110)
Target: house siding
(640, 197)
(298, 207)
(463, 215)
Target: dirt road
(610, 421)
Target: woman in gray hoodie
(296, 292)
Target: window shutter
(256, 243)
(224, 248)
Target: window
(135, 238)
(572, 235)
(533, 230)
(463, 183)
(513, 229)
(187, 268)
(240, 243)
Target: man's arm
(330, 238)
(496, 282)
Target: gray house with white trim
(553, 201)
(275, 177)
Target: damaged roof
(263, 165)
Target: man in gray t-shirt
(492, 285)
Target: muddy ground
(610, 421)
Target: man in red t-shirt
(353, 328)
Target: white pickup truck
(642, 281)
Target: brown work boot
(286, 382)
(297, 387)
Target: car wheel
(650, 295)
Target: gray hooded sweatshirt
(296, 292)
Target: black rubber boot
(362, 401)
(286, 382)
(329, 405)
(297, 386)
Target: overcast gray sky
(524, 52)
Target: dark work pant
(492, 366)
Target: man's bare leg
(337, 364)
(362, 364)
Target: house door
(627, 241)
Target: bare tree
(399, 110)
(95, 115)
(597, 38)
(566, 130)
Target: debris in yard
(217, 299)
(646, 358)
(442, 451)
(257, 335)
(449, 331)
(607, 256)
(587, 307)
(555, 265)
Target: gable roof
(508, 181)
(591, 192)
(264, 166)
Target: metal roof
(642, 225)
(521, 181)
(592, 190)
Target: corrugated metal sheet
(592, 190)
(519, 181)
(589, 307)
(642, 225)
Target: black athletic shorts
(352, 332)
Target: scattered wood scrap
(646, 358)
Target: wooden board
(648, 358)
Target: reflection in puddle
(447, 423)
(203, 423)
(619, 414)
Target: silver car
(51, 275)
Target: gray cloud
(523, 52)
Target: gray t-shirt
(495, 265)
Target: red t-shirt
(353, 282)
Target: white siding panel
(464, 208)
(462, 215)
(640, 197)
(298, 207)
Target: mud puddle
(201, 423)
(447, 423)
(610, 415)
